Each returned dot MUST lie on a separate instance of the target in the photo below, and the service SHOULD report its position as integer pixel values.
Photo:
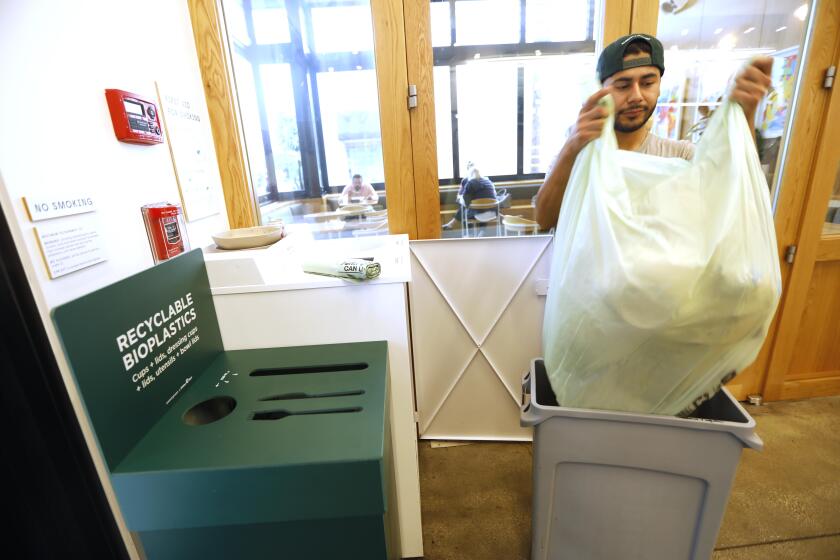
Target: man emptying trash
(630, 69)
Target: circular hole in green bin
(209, 411)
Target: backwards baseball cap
(612, 57)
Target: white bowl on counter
(247, 238)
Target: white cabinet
(476, 323)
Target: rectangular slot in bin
(299, 396)
(295, 370)
(280, 414)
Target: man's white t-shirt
(655, 146)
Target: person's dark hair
(637, 47)
(357, 176)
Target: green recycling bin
(266, 453)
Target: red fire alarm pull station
(166, 230)
(135, 119)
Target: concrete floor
(785, 501)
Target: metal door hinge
(830, 72)
(790, 254)
(412, 96)
(416, 417)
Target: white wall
(56, 60)
(56, 134)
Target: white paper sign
(70, 245)
(190, 144)
(46, 207)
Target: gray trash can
(616, 485)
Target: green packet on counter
(348, 269)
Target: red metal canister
(166, 230)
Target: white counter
(280, 266)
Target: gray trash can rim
(533, 413)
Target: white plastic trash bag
(665, 275)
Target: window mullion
(303, 108)
(453, 96)
(520, 120)
(252, 55)
(264, 127)
(315, 112)
(453, 37)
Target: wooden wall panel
(818, 342)
(644, 17)
(208, 30)
(617, 16)
(418, 42)
(395, 123)
(807, 388)
(829, 248)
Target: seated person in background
(358, 191)
(473, 186)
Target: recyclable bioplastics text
(151, 334)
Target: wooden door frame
(644, 16)
(808, 179)
(389, 30)
(214, 63)
(622, 17)
(618, 15)
(420, 64)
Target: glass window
(506, 93)
(282, 126)
(549, 20)
(246, 93)
(342, 28)
(310, 116)
(486, 22)
(441, 27)
(443, 120)
(702, 77)
(350, 121)
(270, 25)
(555, 88)
(237, 28)
(706, 47)
(487, 101)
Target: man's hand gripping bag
(665, 275)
